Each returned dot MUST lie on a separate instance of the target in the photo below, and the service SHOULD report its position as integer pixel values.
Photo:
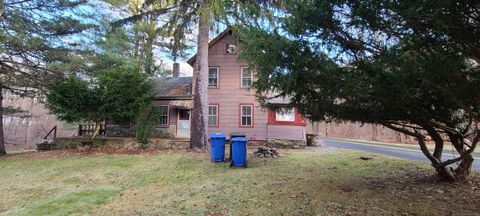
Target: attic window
(231, 48)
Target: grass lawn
(302, 182)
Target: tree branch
(437, 153)
(464, 154)
(420, 139)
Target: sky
(101, 12)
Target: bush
(145, 123)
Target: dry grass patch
(302, 182)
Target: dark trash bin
(217, 147)
(239, 152)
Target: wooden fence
(349, 130)
(88, 129)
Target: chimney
(176, 70)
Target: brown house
(233, 108)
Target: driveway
(407, 152)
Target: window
(213, 115)
(231, 48)
(163, 120)
(246, 77)
(285, 115)
(246, 115)
(213, 77)
(183, 114)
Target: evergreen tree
(95, 99)
(149, 31)
(411, 66)
(33, 34)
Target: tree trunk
(464, 168)
(2, 8)
(2, 139)
(446, 172)
(439, 143)
(462, 171)
(444, 169)
(150, 23)
(199, 125)
(148, 54)
(136, 52)
(96, 130)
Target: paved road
(406, 152)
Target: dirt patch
(84, 151)
(93, 152)
(426, 186)
(324, 147)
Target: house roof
(227, 31)
(172, 87)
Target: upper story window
(213, 115)
(231, 48)
(246, 115)
(285, 115)
(213, 76)
(163, 119)
(246, 77)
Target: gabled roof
(227, 31)
(171, 87)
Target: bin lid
(239, 139)
(237, 135)
(217, 136)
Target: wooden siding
(288, 132)
(229, 95)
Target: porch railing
(52, 131)
(88, 129)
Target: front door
(183, 125)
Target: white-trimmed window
(231, 48)
(285, 115)
(246, 77)
(213, 76)
(163, 119)
(213, 115)
(246, 115)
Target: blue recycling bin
(233, 135)
(239, 152)
(217, 147)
